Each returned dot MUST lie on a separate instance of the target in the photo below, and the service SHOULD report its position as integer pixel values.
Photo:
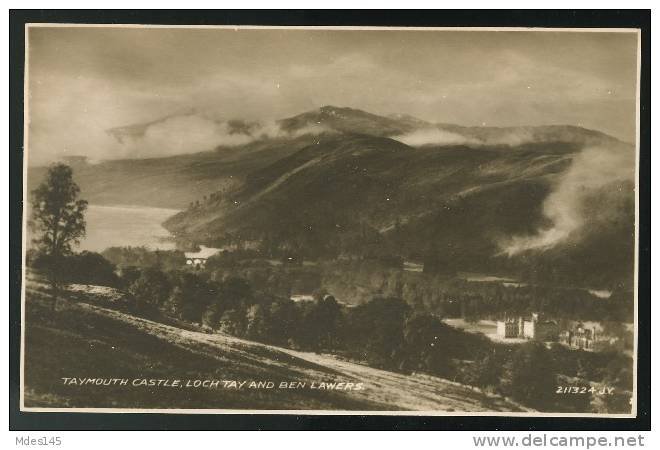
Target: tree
(488, 370)
(532, 377)
(376, 328)
(175, 302)
(127, 276)
(283, 322)
(211, 316)
(426, 344)
(257, 322)
(234, 322)
(325, 315)
(57, 213)
(57, 221)
(234, 292)
(150, 290)
(191, 297)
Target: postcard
(330, 220)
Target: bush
(284, 321)
(90, 268)
(143, 257)
(532, 376)
(127, 276)
(426, 346)
(257, 323)
(83, 268)
(376, 329)
(318, 324)
(233, 322)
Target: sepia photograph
(330, 220)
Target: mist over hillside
(550, 202)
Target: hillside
(420, 132)
(175, 181)
(83, 340)
(328, 190)
(553, 203)
(456, 206)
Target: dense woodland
(357, 281)
(396, 329)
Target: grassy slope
(356, 179)
(456, 202)
(175, 181)
(362, 173)
(89, 341)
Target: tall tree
(58, 221)
(58, 216)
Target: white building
(532, 328)
(199, 258)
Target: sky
(84, 81)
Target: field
(83, 340)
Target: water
(121, 226)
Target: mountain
(175, 181)
(405, 127)
(360, 190)
(542, 202)
(349, 120)
(323, 197)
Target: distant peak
(409, 119)
(329, 109)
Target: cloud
(192, 133)
(72, 116)
(474, 137)
(592, 169)
(272, 130)
(83, 81)
(311, 129)
(183, 134)
(434, 136)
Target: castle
(580, 337)
(531, 328)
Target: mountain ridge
(341, 181)
(189, 177)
